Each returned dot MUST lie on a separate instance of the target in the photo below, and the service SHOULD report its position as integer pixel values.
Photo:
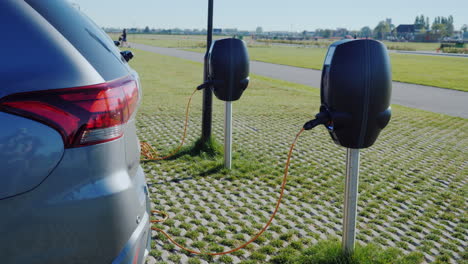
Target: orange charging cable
(283, 185)
(151, 154)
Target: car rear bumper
(138, 246)
(93, 208)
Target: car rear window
(92, 42)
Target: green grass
(208, 149)
(446, 72)
(411, 46)
(315, 43)
(330, 252)
(414, 177)
(167, 41)
(419, 46)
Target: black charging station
(355, 97)
(355, 91)
(228, 68)
(228, 77)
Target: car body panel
(86, 204)
(29, 151)
(74, 219)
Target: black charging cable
(321, 118)
(204, 85)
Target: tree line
(440, 27)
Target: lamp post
(207, 93)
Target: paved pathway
(438, 100)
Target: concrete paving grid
(211, 203)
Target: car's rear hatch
(49, 46)
(75, 192)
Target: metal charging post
(350, 199)
(227, 134)
(354, 62)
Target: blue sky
(295, 15)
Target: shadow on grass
(206, 149)
(205, 158)
(214, 170)
(210, 151)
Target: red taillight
(84, 115)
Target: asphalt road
(438, 100)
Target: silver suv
(71, 186)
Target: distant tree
(366, 32)
(450, 27)
(421, 22)
(259, 30)
(327, 33)
(177, 31)
(318, 32)
(381, 30)
(340, 32)
(464, 28)
(146, 30)
(443, 26)
(417, 22)
(230, 30)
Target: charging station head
(228, 68)
(356, 90)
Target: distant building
(217, 31)
(404, 33)
(405, 29)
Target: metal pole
(350, 200)
(207, 93)
(227, 134)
